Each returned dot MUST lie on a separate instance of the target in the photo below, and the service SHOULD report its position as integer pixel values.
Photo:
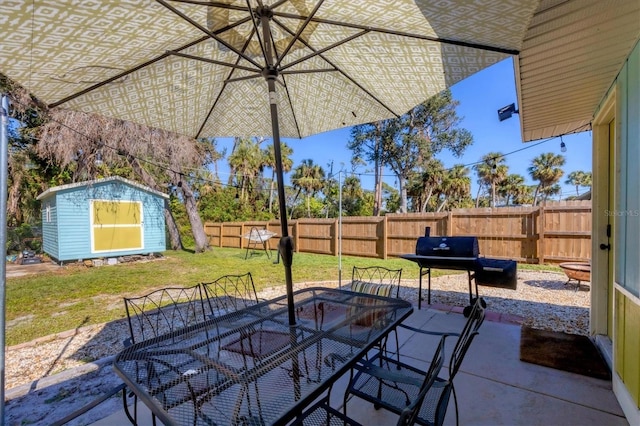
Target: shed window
(116, 225)
(47, 213)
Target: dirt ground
(15, 270)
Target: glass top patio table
(250, 366)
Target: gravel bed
(542, 299)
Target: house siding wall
(74, 220)
(627, 250)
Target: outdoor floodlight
(506, 112)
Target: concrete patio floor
(493, 386)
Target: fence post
(221, 233)
(334, 240)
(296, 239)
(384, 236)
(450, 224)
(241, 234)
(541, 226)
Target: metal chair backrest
(230, 293)
(410, 414)
(377, 275)
(468, 333)
(163, 311)
(470, 330)
(436, 402)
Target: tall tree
(247, 161)
(367, 142)
(579, 178)
(546, 169)
(270, 161)
(391, 198)
(431, 182)
(455, 187)
(550, 190)
(28, 173)
(513, 189)
(491, 172)
(355, 200)
(308, 177)
(423, 132)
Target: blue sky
(480, 97)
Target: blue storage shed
(102, 218)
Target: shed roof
(571, 54)
(55, 189)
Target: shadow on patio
(494, 386)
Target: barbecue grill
(461, 253)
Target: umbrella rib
(209, 33)
(213, 61)
(224, 86)
(345, 75)
(213, 4)
(301, 28)
(233, 69)
(295, 119)
(123, 74)
(321, 51)
(402, 34)
(248, 77)
(309, 71)
(256, 31)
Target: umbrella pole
(270, 74)
(286, 242)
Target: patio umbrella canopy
(253, 67)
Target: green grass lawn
(40, 305)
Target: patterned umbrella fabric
(195, 67)
(199, 67)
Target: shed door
(116, 226)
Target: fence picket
(554, 232)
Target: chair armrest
(431, 333)
(368, 367)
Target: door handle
(605, 246)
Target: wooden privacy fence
(555, 232)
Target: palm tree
(353, 197)
(431, 179)
(513, 188)
(579, 178)
(270, 161)
(456, 185)
(309, 178)
(546, 169)
(491, 171)
(246, 160)
(548, 191)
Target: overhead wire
(353, 173)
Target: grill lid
(447, 246)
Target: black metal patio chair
(321, 413)
(148, 316)
(159, 312)
(230, 293)
(379, 281)
(386, 382)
